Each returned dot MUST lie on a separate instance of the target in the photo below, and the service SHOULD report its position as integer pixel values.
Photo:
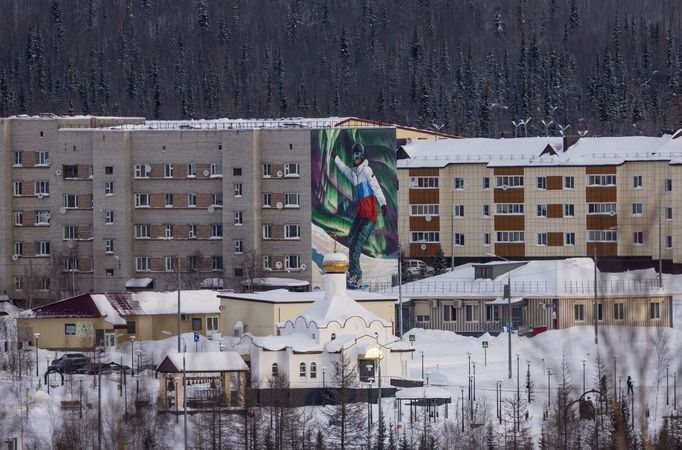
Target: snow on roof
(238, 124)
(9, 309)
(422, 392)
(571, 277)
(202, 301)
(285, 296)
(107, 309)
(276, 281)
(337, 308)
(297, 342)
(528, 151)
(139, 282)
(208, 362)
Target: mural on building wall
(354, 204)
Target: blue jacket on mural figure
(366, 194)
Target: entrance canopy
(504, 301)
(203, 362)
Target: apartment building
(93, 204)
(533, 198)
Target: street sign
(485, 344)
(412, 338)
(196, 337)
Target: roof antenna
(334, 236)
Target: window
(313, 370)
(237, 171)
(274, 370)
(217, 199)
(18, 188)
(291, 170)
(486, 210)
(423, 182)
(142, 264)
(18, 218)
(108, 217)
(42, 188)
(70, 329)
(217, 263)
(424, 210)
(216, 170)
(601, 180)
(541, 239)
(196, 323)
(619, 311)
(70, 171)
(142, 231)
(168, 200)
(292, 231)
(509, 209)
(449, 313)
(108, 170)
(637, 209)
(569, 210)
(142, 200)
(510, 236)
(70, 232)
(569, 238)
(510, 181)
(424, 318)
(212, 323)
(668, 186)
(492, 313)
(169, 263)
(192, 263)
(192, 231)
(602, 236)
(191, 170)
(17, 159)
(569, 182)
(601, 208)
(168, 231)
(237, 189)
(458, 184)
(109, 246)
(238, 218)
(486, 239)
(18, 283)
(292, 261)
(302, 371)
(668, 213)
(168, 170)
(471, 312)
(267, 199)
(638, 237)
(579, 312)
(130, 327)
(70, 201)
(238, 247)
(42, 217)
(71, 264)
(637, 182)
(541, 183)
(142, 170)
(654, 310)
(267, 262)
(485, 183)
(541, 210)
(292, 199)
(41, 158)
(192, 200)
(458, 211)
(18, 248)
(108, 188)
(42, 248)
(108, 272)
(600, 311)
(425, 236)
(267, 231)
(459, 239)
(267, 170)
(669, 241)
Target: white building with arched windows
(308, 345)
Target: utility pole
(178, 318)
(400, 293)
(594, 311)
(660, 256)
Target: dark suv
(69, 363)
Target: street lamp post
(422, 352)
(549, 387)
(324, 374)
(594, 310)
(462, 408)
(474, 381)
(584, 376)
(132, 356)
(184, 388)
(47, 376)
(518, 392)
(469, 375)
(507, 295)
(36, 336)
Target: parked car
(416, 267)
(107, 368)
(70, 363)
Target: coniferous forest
(607, 66)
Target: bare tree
(345, 418)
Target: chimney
(569, 141)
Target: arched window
(275, 369)
(301, 370)
(313, 370)
(333, 336)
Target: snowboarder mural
(354, 189)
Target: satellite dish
(15, 257)
(428, 218)
(206, 172)
(423, 246)
(279, 205)
(211, 209)
(58, 172)
(304, 267)
(279, 173)
(504, 187)
(278, 264)
(62, 210)
(48, 215)
(40, 195)
(47, 162)
(148, 167)
(612, 213)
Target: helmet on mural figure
(358, 151)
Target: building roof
(203, 362)
(285, 296)
(422, 392)
(571, 277)
(532, 151)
